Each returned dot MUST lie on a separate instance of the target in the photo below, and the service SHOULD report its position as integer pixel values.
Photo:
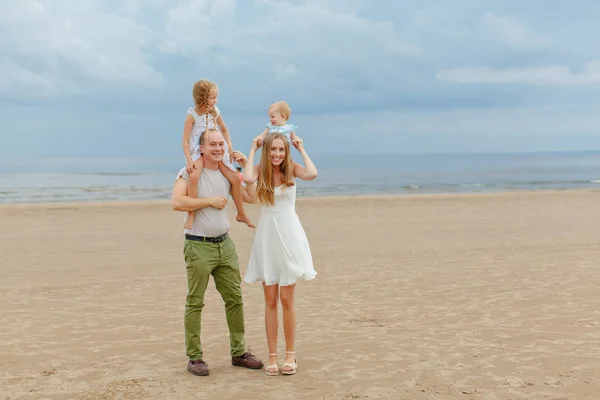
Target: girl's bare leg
(236, 193)
(192, 189)
(286, 294)
(271, 322)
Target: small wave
(117, 189)
(557, 182)
(119, 173)
(140, 190)
(95, 189)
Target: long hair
(266, 188)
(201, 94)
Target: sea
(131, 179)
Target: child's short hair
(283, 108)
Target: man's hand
(218, 202)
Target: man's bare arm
(182, 202)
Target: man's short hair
(205, 133)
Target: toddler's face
(276, 118)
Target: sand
(477, 296)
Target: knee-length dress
(280, 252)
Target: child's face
(277, 152)
(276, 118)
(212, 99)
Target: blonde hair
(266, 188)
(283, 108)
(201, 94)
(204, 134)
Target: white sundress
(280, 253)
(199, 127)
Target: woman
(280, 253)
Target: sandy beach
(477, 296)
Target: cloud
(544, 75)
(301, 44)
(314, 31)
(124, 68)
(512, 31)
(284, 72)
(66, 43)
(308, 40)
(194, 26)
(14, 78)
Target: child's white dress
(286, 130)
(280, 252)
(199, 127)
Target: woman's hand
(256, 143)
(298, 143)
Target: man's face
(213, 147)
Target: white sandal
(272, 370)
(292, 367)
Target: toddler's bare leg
(236, 193)
(192, 189)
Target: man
(209, 250)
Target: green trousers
(220, 260)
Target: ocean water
(108, 179)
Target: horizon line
(326, 154)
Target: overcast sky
(114, 77)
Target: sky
(113, 78)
